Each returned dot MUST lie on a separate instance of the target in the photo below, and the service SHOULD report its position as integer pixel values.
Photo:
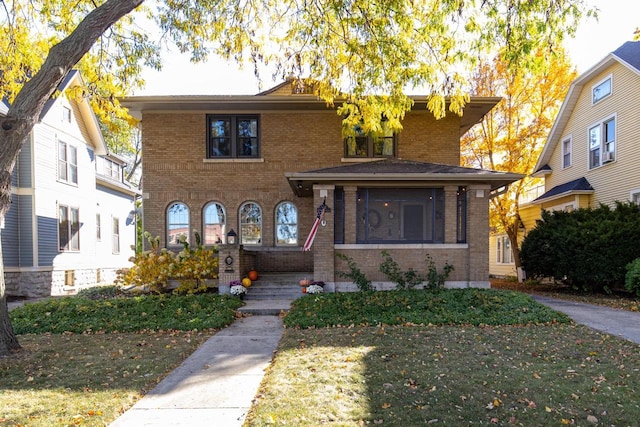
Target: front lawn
(543, 370)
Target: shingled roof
(398, 172)
(577, 186)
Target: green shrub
(355, 274)
(153, 268)
(632, 278)
(587, 248)
(403, 279)
(146, 312)
(416, 306)
(436, 280)
(101, 292)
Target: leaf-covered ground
(450, 375)
(619, 300)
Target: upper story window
(566, 153)
(110, 169)
(232, 136)
(601, 90)
(361, 144)
(602, 143)
(286, 224)
(66, 114)
(214, 224)
(250, 224)
(177, 223)
(67, 163)
(68, 228)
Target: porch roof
(577, 186)
(396, 172)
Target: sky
(594, 40)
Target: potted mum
(236, 288)
(314, 289)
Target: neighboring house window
(601, 90)
(214, 224)
(177, 223)
(115, 241)
(68, 228)
(504, 255)
(602, 143)
(286, 224)
(402, 215)
(67, 163)
(233, 136)
(566, 153)
(360, 144)
(98, 228)
(461, 220)
(111, 169)
(250, 224)
(635, 197)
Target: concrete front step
(272, 307)
(276, 286)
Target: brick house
(263, 164)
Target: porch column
(322, 248)
(350, 220)
(478, 235)
(450, 213)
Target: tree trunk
(25, 111)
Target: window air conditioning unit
(607, 157)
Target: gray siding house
(70, 224)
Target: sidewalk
(216, 384)
(620, 323)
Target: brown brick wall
(175, 169)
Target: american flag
(312, 234)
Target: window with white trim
(177, 224)
(566, 153)
(68, 228)
(286, 224)
(503, 250)
(602, 142)
(67, 163)
(601, 90)
(635, 197)
(115, 239)
(215, 231)
(250, 224)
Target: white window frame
(207, 239)
(596, 87)
(70, 168)
(177, 224)
(565, 153)
(292, 224)
(603, 146)
(115, 235)
(504, 254)
(250, 228)
(69, 211)
(634, 196)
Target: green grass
(439, 307)
(85, 362)
(552, 374)
(448, 357)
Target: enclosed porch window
(400, 215)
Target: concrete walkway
(215, 386)
(620, 323)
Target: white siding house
(69, 225)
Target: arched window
(286, 224)
(177, 223)
(214, 224)
(250, 224)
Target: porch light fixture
(231, 237)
